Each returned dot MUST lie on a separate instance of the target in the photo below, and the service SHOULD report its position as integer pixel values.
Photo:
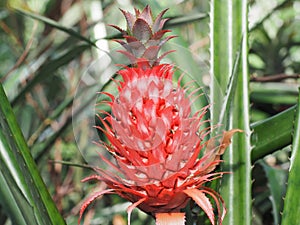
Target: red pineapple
(143, 37)
(154, 137)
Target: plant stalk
(170, 218)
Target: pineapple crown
(143, 37)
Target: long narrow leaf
(229, 37)
(49, 68)
(56, 25)
(276, 183)
(13, 201)
(22, 167)
(272, 134)
(181, 20)
(232, 84)
(291, 209)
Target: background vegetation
(54, 57)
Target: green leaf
(272, 134)
(276, 182)
(66, 104)
(274, 93)
(291, 209)
(20, 171)
(13, 201)
(181, 20)
(39, 149)
(56, 25)
(229, 97)
(228, 40)
(49, 68)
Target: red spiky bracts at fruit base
(153, 135)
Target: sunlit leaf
(291, 209)
(21, 173)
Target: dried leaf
(219, 147)
(227, 139)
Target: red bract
(156, 142)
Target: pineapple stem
(170, 218)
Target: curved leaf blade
(277, 179)
(49, 68)
(56, 25)
(23, 168)
(272, 134)
(13, 201)
(291, 209)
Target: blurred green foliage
(51, 72)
